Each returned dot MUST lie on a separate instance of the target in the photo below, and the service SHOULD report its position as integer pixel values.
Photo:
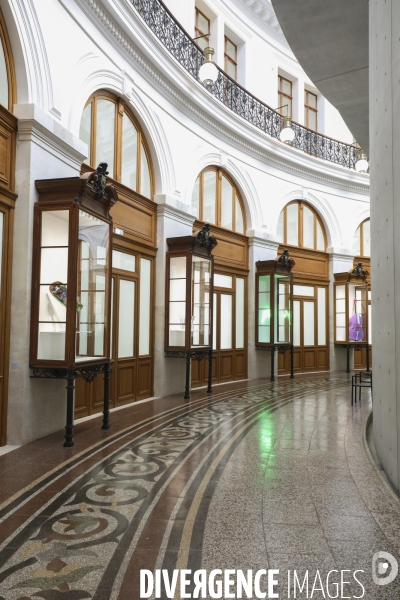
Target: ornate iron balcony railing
(179, 43)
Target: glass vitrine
(274, 306)
(71, 282)
(71, 275)
(351, 306)
(189, 294)
(274, 298)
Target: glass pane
(286, 86)
(93, 236)
(112, 318)
(303, 290)
(264, 283)
(308, 228)
(126, 315)
(321, 316)
(280, 231)
(177, 267)
(144, 307)
(86, 129)
(282, 316)
(201, 301)
(340, 309)
(203, 23)
(51, 341)
(209, 196)
(308, 323)
(177, 305)
(357, 242)
(196, 197)
(55, 225)
(369, 325)
(230, 49)
(105, 133)
(367, 238)
(3, 78)
(224, 281)
(231, 69)
(292, 215)
(145, 182)
(264, 309)
(357, 312)
(296, 322)
(226, 322)
(54, 266)
(312, 120)
(239, 313)
(312, 100)
(129, 153)
(320, 237)
(52, 308)
(226, 204)
(123, 261)
(239, 227)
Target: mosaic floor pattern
(268, 476)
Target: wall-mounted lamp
(286, 134)
(362, 165)
(208, 72)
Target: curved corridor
(267, 476)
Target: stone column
(45, 150)
(261, 247)
(174, 218)
(340, 261)
(384, 102)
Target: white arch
(201, 160)
(29, 53)
(116, 82)
(321, 207)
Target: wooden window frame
(308, 109)
(284, 98)
(227, 58)
(199, 32)
(121, 110)
(317, 219)
(361, 228)
(235, 194)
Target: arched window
(362, 239)
(7, 77)
(114, 136)
(217, 200)
(299, 225)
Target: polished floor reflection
(258, 476)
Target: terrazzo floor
(258, 476)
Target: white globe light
(362, 164)
(287, 134)
(208, 72)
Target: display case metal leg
(69, 427)
(106, 406)
(292, 362)
(272, 378)
(368, 369)
(210, 367)
(187, 383)
(348, 360)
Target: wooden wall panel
(144, 379)
(125, 384)
(310, 264)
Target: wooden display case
(351, 322)
(71, 282)
(189, 299)
(274, 306)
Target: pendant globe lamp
(287, 134)
(362, 165)
(208, 72)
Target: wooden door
(229, 333)
(310, 330)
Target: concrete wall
(385, 228)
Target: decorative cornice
(289, 160)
